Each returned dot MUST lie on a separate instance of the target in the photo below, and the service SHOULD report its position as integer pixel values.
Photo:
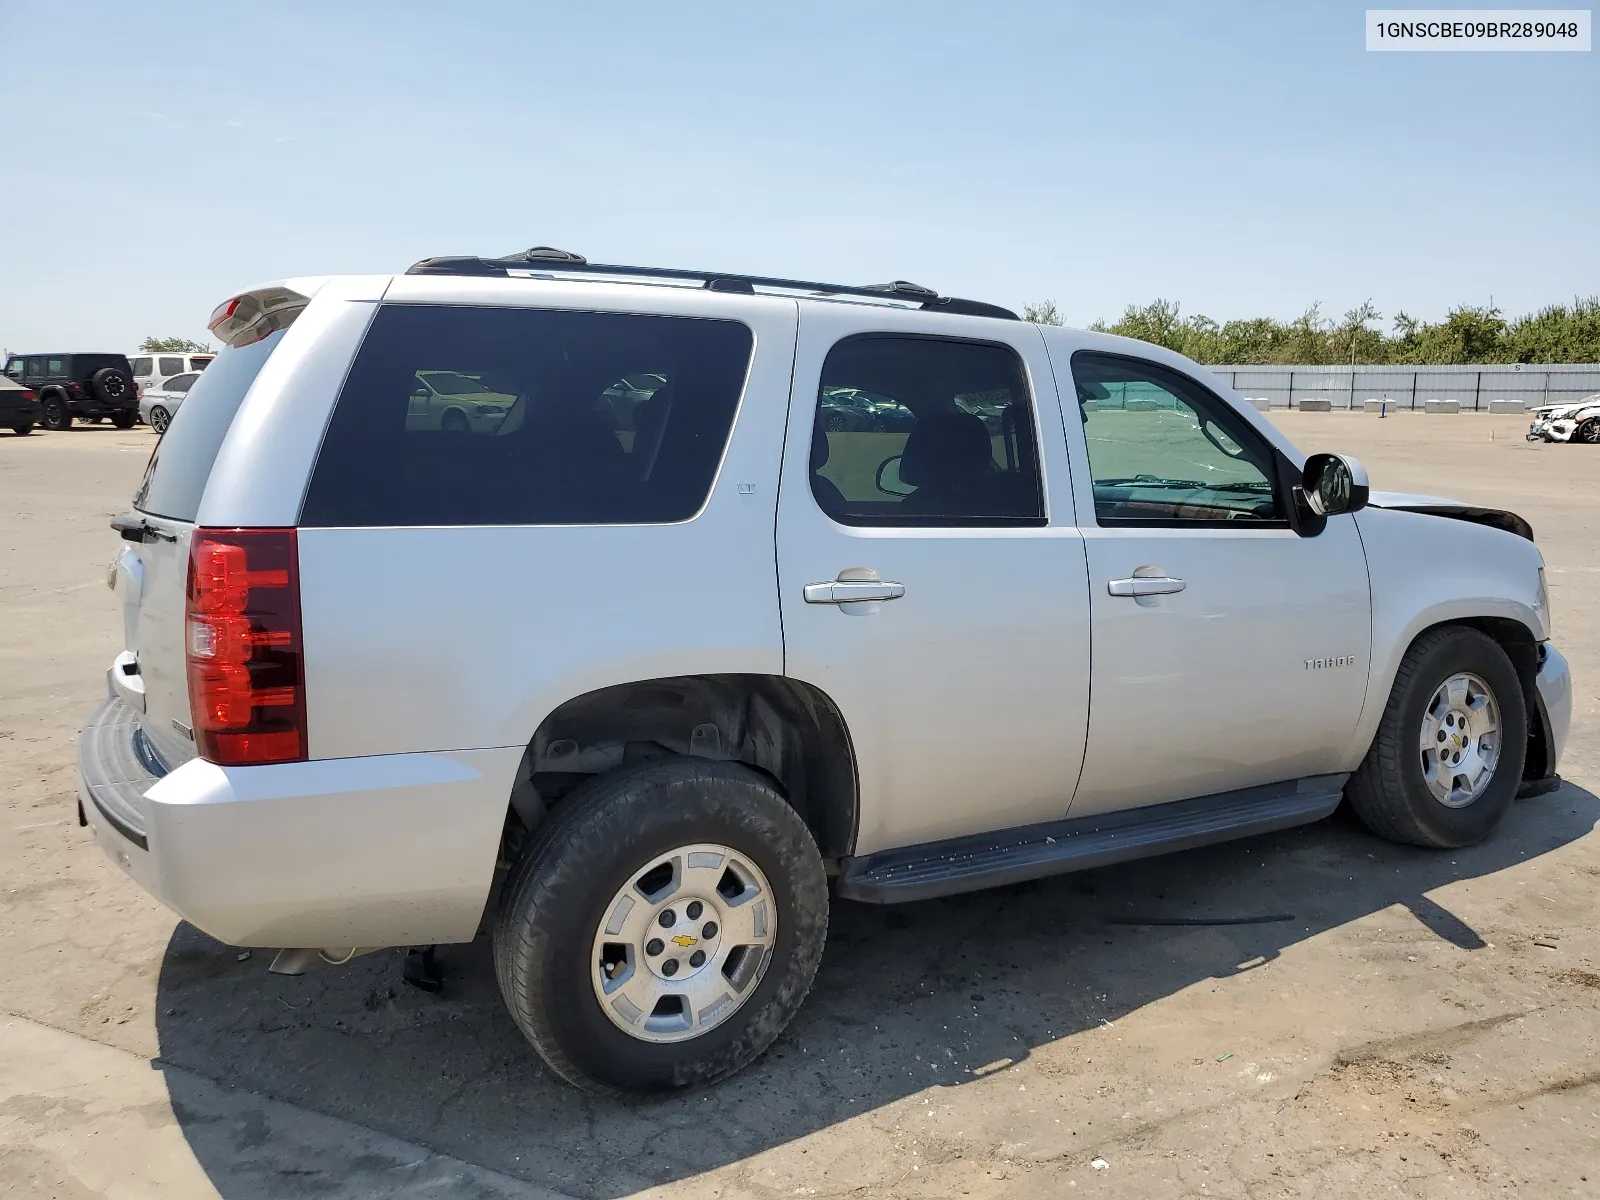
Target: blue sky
(1241, 158)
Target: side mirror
(1334, 484)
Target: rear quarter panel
(1427, 570)
(450, 638)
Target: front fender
(1428, 570)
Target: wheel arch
(788, 730)
(1522, 646)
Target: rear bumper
(389, 850)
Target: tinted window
(141, 366)
(197, 362)
(924, 431)
(176, 477)
(179, 383)
(85, 365)
(1163, 449)
(14, 368)
(36, 368)
(55, 367)
(490, 416)
(169, 366)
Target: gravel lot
(1396, 1022)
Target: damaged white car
(1578, 422)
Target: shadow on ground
(908, 998)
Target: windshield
(176, 477)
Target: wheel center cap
(683, 938)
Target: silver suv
(648, 649)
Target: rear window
(170, 366)
(176, 476)
(141, 366)
(87, 364)
(495, 416)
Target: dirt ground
(1387, 1021)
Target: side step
(966, 864)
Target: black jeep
(86, 386)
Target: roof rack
(547, 258)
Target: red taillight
(74, 388)
(242, 643)
(222, 312)
(27, 395)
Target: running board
(984, 860)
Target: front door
(930, 573)
(1229, 651)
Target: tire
(1588, 432)
(455, 421)
(1390, 791)
(110, 386)
(55, 416)
(836, 423)
(124, 420)
(159, 418)
(22, 428)
(547, 936)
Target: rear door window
(513, 416)
(175, 478)
(170, 366)
(925, 431)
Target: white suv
(655, 639)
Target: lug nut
(710, 931)
(693, 910)
(668, 919)
(697, 959)
(653, 947)
(670, 967)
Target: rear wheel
(1588, 432)
(663, 928)
(124, 420)
(455, 421)
(159, 418)
(1449, 751)
(22, 428)
(55, 414)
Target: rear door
(931, 577)
(152, 573)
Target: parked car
(151, 370)
(855, 410)
(156, 407)
(19, 407)
(1578, 422)
(718, 666)
(85, 386)
(454, 402)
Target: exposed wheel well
(1523, 649)
(789, 731)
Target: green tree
(1044, 312)
(172, 345)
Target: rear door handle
(847, 591)
(1142, 585)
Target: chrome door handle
(848, 591)
(1146, 585)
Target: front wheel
(663, 928)
(55, 415)
(1588, 432)
(1449, 751)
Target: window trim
(1232, 423)
(931, 520)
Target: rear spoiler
(253, 315)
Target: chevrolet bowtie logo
(684, 940)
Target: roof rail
(547, 258)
